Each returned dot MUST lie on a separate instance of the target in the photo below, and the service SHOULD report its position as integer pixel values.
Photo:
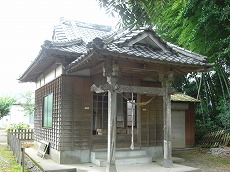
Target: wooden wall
(151, 122)
(52, 135)
(76, 113)
(72, 116)
(152, 118)
(72, 105)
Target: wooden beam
(140, 90)
(101, 88)
(130, 89)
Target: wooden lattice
(216, 139)
(50, 135)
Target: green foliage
(5, 105)
(224, 115)
(132, 12)
(28, 104)
(202, 27)
(20, 126)
(202, 128)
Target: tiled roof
(74, 37)
(77, 40)
(120, 43)
(68, 31)
(145, 52)
(70, 38)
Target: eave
(96, 56)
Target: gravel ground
(31, 166)
(201, 158)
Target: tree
(200, 26)
(28, 102)
(5, 105)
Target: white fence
(15, 139)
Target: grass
(7, 160)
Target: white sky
(25, 24)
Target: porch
(49, 165)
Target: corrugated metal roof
(180, 97)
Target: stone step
(125, 160)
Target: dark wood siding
(76, 119)
(190, 126)
(151, 122)
(152, 118)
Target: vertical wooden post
(112, 113)
(8, 137)
(22, 159)
(112, 100)
(139, 123)
(166, 83)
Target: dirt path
(200, 158)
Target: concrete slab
(48, 165)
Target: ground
(197, 157)
(7, 160)
(200, 158)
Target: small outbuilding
(103, 96)
(183, 120)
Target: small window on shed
(47, 111)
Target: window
(131, 109)
(124, 113)
(100, 111)
(124, 118)
(47, 111)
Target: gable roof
(80, 43)
(141, 44)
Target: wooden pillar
(166, 84)
(112, 128)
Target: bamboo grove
(200, 26)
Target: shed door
(178, 129)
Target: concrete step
(123, 156)
(102, 154)
(125, 160)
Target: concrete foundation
(75, 157)
(154, 152)
(85, 156)
(67, 157)
(49, 165)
